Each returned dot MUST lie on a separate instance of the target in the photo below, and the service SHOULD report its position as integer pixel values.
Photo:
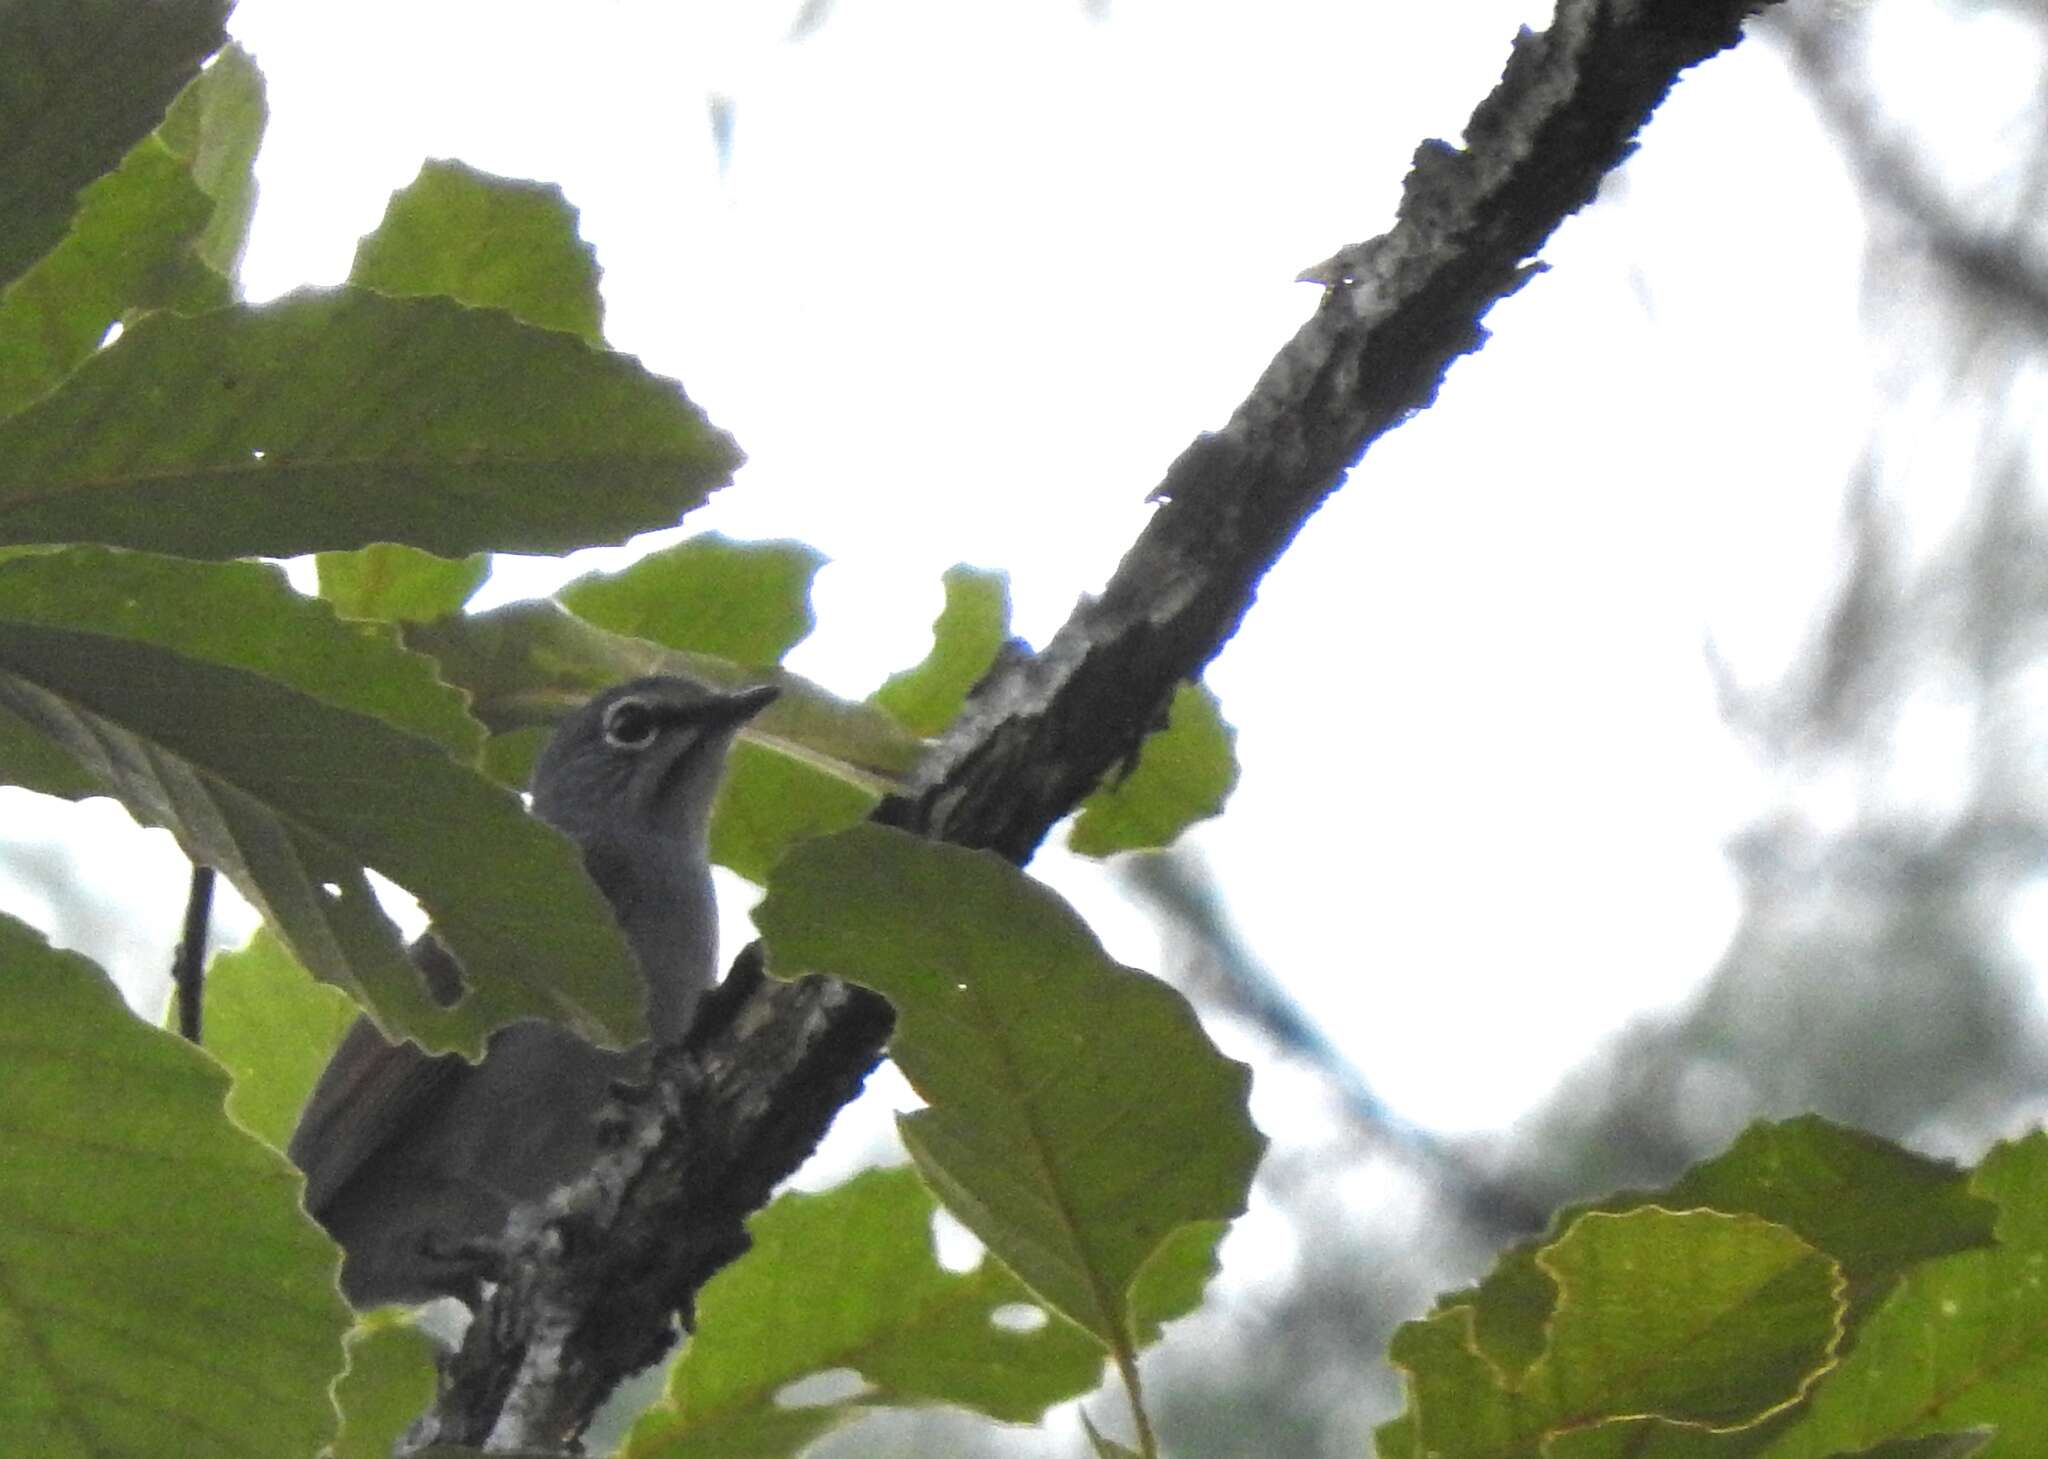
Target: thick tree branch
(591, 1293)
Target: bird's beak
(735, 709)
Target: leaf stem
(1127, 1366)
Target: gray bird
(408, 1157)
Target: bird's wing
(373, 1090)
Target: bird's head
(642, 758)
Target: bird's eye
(631, 724)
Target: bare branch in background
(1875, 975)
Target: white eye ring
(631, 724)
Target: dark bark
(591, 1293)
(188, 965)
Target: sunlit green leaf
(1873, 1207)
(1694, 1317)
(749, 602)
(398, 584)
(1070, 1155)
(390, 1382)
(216, 125)
(164, 1294)
(273, 1027)
(332, 419)
(1961, 1342)
(846, 1280)
(1934, 1446)
(497, 242)
(770, 801)
(133, 244)
(1184, 773)
(969, 632)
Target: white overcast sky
(972, 277)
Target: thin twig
(188, 965)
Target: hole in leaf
(400, 905)
(817, 1390)
(957, 1248)
(333, 890)
(113, 333)
(1018, 1317)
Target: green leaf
(273, 1027)
(770, 801)
(333, 419)
(1639, 1436)
(968, 633)
(1693, 1317)
(523, 663)
(133, 244)
(1934, 1446)
(32, 760)
(389, 1383)
(846, 1280)
(1183, 775)
(399, 584)
(216, 126)
(1961, 1342)
(1395, 1439)
(809, 763)
(81, 82)
(495, 242)
(1873, 1207)
(292, 750)
(749, 602)
(1078, 1114)
(1170, 1281)
(161, 232)
(164, 1292)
